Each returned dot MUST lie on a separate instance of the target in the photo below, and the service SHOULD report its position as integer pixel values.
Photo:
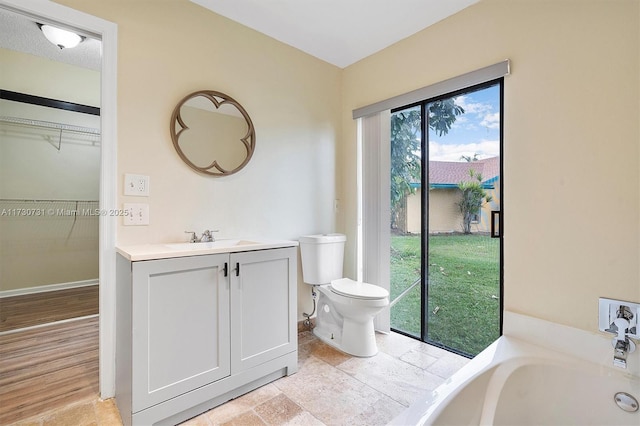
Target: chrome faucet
(207, 237)
(621, 319)
(622, 345)
(620, 351)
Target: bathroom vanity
(200, 324)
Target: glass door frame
(424, 202)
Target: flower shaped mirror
(212, 133)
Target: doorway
(50, 156)
(107, 32)
(446, 246)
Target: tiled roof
(452, 173)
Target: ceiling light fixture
(62, 38)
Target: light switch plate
(137, 214)
(136, 185)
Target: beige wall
(571, 141)
(571, 60)
(169, 49)
(38, 76)
(54, 243)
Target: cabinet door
(180, 326)
(263, 306)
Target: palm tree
(473, 195)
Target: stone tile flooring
(330, 388)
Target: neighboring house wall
(412, 212)
(444, 213)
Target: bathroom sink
(170, 250)
(219, 244)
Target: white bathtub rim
(506, 355)
(525, 337)
(432, 403)
(594, 347)
(505, 369)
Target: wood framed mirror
(212, 133)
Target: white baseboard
(48, 324)
(49, 287)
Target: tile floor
(330, 388)
(82, 413)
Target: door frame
(424, 205)
(107, 32)
(424, 287)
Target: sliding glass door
(445, 214)
(406, 229)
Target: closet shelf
(30, 200)
(49, 125)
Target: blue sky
(477, 131)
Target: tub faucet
(622, 345)
(620, 351)
(621, 319)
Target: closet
(49, 210)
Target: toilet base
(355, 339)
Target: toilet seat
(358, 290)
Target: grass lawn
(464, 289)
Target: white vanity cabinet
(196, 331)
(180, 326)
(263, 306)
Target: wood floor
(42, 308)
(46, 368)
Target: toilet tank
(322, 257)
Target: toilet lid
(360, 290)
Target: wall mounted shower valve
(620, 318)
(611, 310)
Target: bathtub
(514, 382)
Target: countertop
(171, 250)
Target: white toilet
(346, 308)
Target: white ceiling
(340, 32)
(20, 33)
